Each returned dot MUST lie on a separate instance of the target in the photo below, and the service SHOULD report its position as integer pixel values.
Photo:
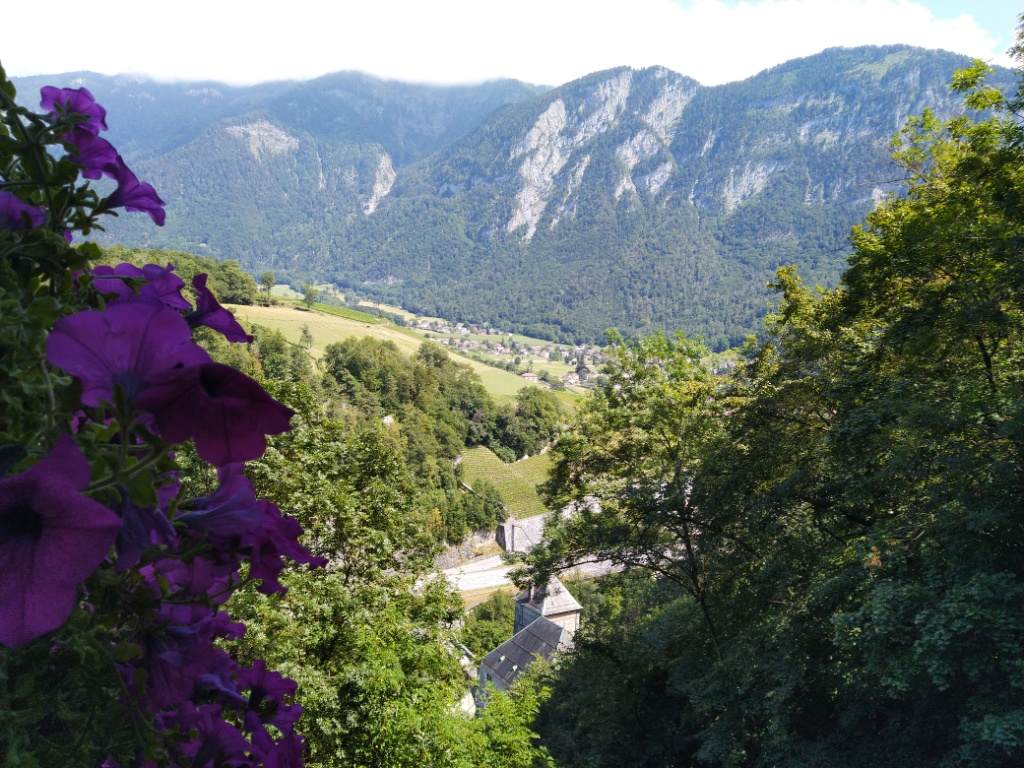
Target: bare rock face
(603, 107)
(665, 111)
(550, 143)
(746, 183)
(383, 181)
(264, 138)
(545, 155)
(642, 146)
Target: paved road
(485, 573)
(491, 573)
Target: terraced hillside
(517, 482)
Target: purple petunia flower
(218, 740)
(16, 215)
(74, 101)
(51, 539)
(96, 155)
(161, 284)
(142, 528)
(127, 345)
(283, 752)
(267, 692)
(134, 195)
(277, 536)
(228, 414)
(210, 313)
(229, 512)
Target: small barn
(516, 535)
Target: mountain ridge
(631, 198)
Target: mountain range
(636, 199)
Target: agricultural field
(330, 324)
(517, 482)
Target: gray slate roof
(542, 638)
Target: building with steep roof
(553, 602)
(541, 640)
(545, 622)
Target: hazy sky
(462, 41)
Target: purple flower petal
(277, 536)
(224, 411)
(229, 512)
(16, 215)
(165, 286)
(127, 345)
(267, 692)
(96, 155)
(134, 195)
(141, 528)
(74, 101)
(161, 285)
(210, 313)
(51, 539)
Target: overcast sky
(546, 42)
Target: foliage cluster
(489, 624)
(439, 408)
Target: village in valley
(537, 361)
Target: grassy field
(332, 324)
(517, 482)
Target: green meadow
(330, 324)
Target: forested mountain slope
(635, 199)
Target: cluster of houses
(503, 346)
(573, 378)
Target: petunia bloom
(227, 513)
(210, 313)
(228, 414)
(96, 155)
(51, 538)
(16, 215)
(74, 101)
(267, 692)
(277, 537)
(160, 284)
(141, 528)
(126, 346)
(134, 195)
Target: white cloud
(540, 41)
